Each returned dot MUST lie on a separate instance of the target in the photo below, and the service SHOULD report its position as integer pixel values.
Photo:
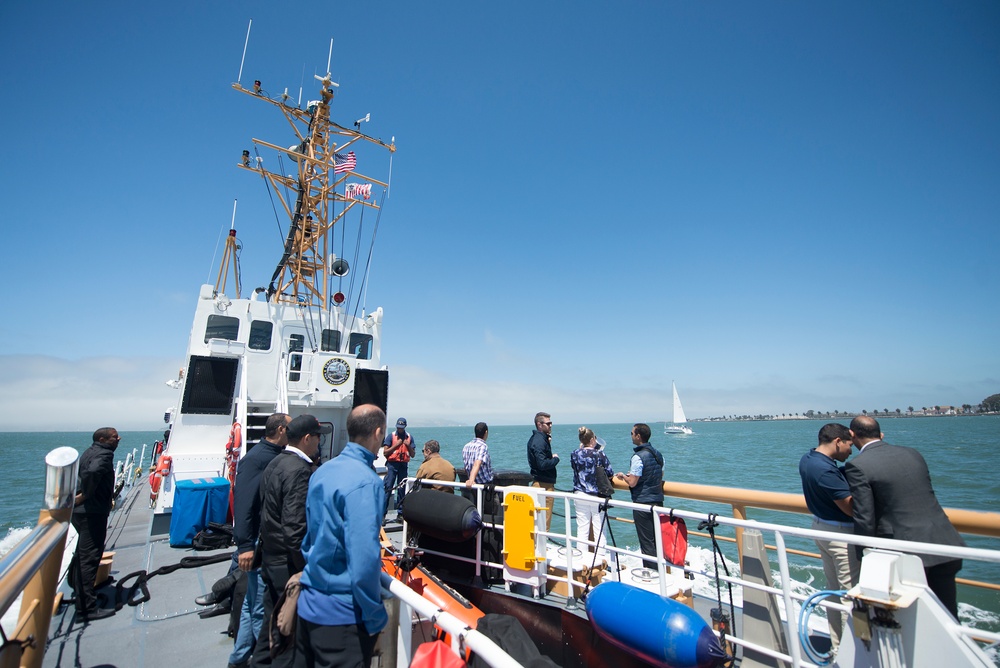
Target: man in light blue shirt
(340, 607)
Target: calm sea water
(759, 455)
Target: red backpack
(674, 533)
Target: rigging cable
(357, 254)
(371, 250)
(267, 185)
(236, 267)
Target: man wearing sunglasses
(542, 461)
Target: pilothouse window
(330, 342)
(210, 385)
(222, 327)
(260, 334)
(361, 346)
(296, 344)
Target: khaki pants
(550, 501)
(842, 570)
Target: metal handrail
(786, 596)
(32, 566)
(21, 563)
(965, 521)
(471, 638)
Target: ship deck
(163, 631)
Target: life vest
(649, 488)
(156, 477)
(401, 454)
(233, 448)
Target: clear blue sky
(782, 206)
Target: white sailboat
(679, 425)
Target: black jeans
(318, 646)
(93, 531)
(275, 578)
(646, 532)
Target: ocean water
(758, 455)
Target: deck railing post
(60, 491)
(740, 513)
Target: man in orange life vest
(398, 449)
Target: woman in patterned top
(585, 461)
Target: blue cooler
(196, 503)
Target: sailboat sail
(678, 426)
(679, 417)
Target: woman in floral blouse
(585, 461)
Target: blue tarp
(196, 503)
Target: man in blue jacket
(542, 462)
(340, 606)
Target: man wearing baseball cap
(283, 487)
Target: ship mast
(320, 200)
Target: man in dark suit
(893, 498)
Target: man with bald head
(892, 497)
(340, 607)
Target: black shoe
(216, 610)
(211, 598)
(97, 613)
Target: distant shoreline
(834, 416)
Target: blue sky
(782, 206)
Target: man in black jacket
(283, 488)
(542, 462)
(94, 496)
(246, 528)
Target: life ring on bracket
(156, 477)
(233, 448)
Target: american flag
(344, 163)
(355, 190)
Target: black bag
(215, 537)
(604, 487)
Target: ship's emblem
(336, 371)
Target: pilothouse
(304, 343)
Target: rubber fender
(447, 517)
(658, 630)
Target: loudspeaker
(371, 386)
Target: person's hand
(555, 455)
(245, 560)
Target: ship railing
(32, 567)
(462, 636)
(783, 593)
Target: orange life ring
(157, 475)
(233, 448)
